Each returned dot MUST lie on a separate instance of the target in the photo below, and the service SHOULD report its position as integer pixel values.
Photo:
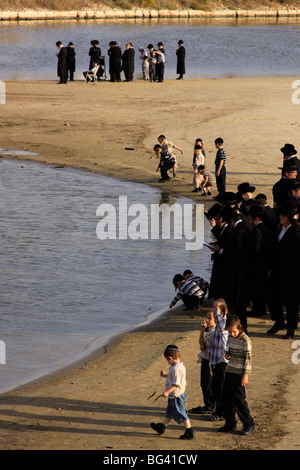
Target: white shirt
(176, 376)
(282, 232)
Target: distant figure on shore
(180, 59)
(94, 53)
(152, 63)
(115, 58)
(71, 61)
(128, 62)
(145, 63)
(220, 166)
(62, 66)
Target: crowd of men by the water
(256, 248)
(153, 62)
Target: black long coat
(115, 58)
(284, 265)
(238, 265)
(218, 286)
(62, 64)
(180, 60)
(95, 54)
(71, 61)
(260, 262)
(128, 63)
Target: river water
(215, 47)
(63, 291)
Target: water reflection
(215, 47)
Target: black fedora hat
(213, 210)
(228, 198)
(288, 165)
(245, 188)
(180, 41)
(227, 213)
(288, 150)
(256, 210)
(289, 207)
(294, 184)
(94, 42)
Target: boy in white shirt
(175, 392)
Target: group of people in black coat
(256, 255)
(66, 62)
(118, 61)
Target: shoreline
(44, 15)
(102, 403)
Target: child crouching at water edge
(238, 368)
(175, 392)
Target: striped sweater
(188, 287)
(240, 350)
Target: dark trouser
(277, 315)
(221, 180)
(160, 70)
(71, 74)
(152, 72)
(218, 379)
(206, 385)
(191, 301)
(234, 400)
(164, 170)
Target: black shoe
(189, 434)
(215, 417)
(275, 328)
(158, 427)
(201, 410)
(227, 428)
(247, 430)
(289, 334)
(196, 190)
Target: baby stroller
(101, 75)
(97, 73)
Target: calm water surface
(215, 48)
(63, 291)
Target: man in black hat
(284, 273)
(94, 53)
(62, 65)
(128, 62)
(280, 189)
(238, 264)
(294, 193)
(245, 192)
(290, 155)
(180, 60)
(71, 61)
(115, 58)
(270, 216)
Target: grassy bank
(64, 5)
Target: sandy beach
(110, 129)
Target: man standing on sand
(115, 57)
(128, 62)
(180, 60)
(62, 64)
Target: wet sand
(110, 129)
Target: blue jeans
(176, 409)
(221, 180)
